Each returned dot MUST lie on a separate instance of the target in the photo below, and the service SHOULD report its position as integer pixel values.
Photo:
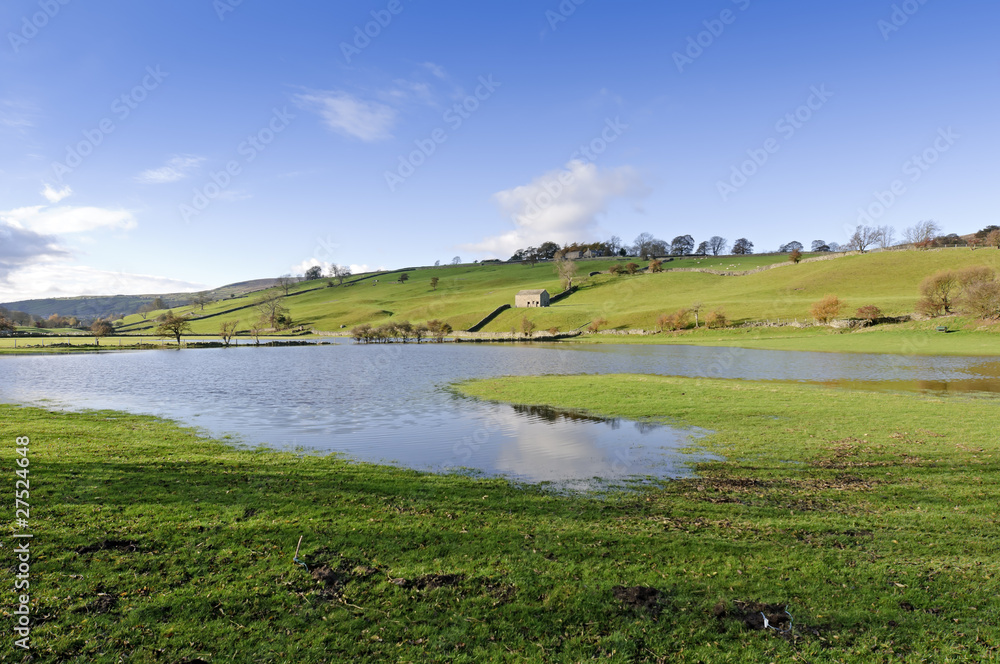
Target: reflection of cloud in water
(555, 446)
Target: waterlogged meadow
(861, 525)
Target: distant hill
(102, 306)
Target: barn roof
(536, 291)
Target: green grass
(873, 516)
(964, 337)
(467, 293)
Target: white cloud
(351, 116)
(300, 268)
(20, 247)
(51, 279)
(560, 206)
(67, 219)
(436, 70)
(177, 168)
(56, 195)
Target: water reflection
(389, 403)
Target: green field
(466, 293)
(871, 516)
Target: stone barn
(532, 298)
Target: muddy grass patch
(640, 598)
(109, 545)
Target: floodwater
(391, 403)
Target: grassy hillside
(466, 293)
(101, 306)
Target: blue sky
(152, 147)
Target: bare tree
(227, 329)
(269, 306)
(886, 236)
(145, 309)
(717, 245)
(173, 326)
(863, 238)
(340, 272)
(614, 244)
(695, 308)
(527, 326)
(457, 260)
(566, 269)
(922, 231)
(201, 299)
(702, 249)
(285, 282)
(255, 330)
(643, 247)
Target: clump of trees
(7, 326)
(527, 326)
(974, 290)
(101, 328)
(826, 309)
(401, 332)
(922, 233)
(742, 247)
(678, 320)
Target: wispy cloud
(349, 115)
(67, 219)
(177, 168)
(55, 195)
(17, 115)
(56, 279)
(560, 206)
